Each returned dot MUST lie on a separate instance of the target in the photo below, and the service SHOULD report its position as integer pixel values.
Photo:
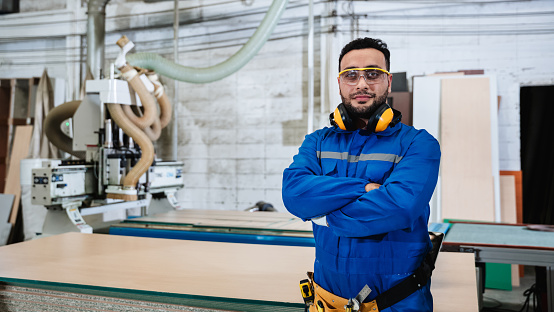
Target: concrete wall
(237, 135)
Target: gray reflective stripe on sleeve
(363, 157)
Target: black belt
(415, 281)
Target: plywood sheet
(241, 271)
(402, 101)
(509, 211)
(454, 283)
(508, 198)
(467, 185)
(228, 218)
(20, 150)
(519, 205)
(223, 270)
(518, 192)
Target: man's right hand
(371, 186)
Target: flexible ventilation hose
(141, 139)
(52, 127)
(209, 74)
(153, 131)
(165, 106)
(147, 100)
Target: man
(366, 184)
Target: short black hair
(366, 43)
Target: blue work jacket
(376, 238)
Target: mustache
(363, 93)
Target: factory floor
(495, 300)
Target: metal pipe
(108, 136)
(175, 128)
(96, 31)
(310, 67)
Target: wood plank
(5, 100)
(508, 198)
(228, 270)
(518, 192)
(240, 271)
(402, 101)
(473, 71)
(508, 211)
(517, 175)
(20, 150)
(467, 185)
(15, 121)
(454, 283)
(228, 218)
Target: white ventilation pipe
(96, 31)
(169, 69)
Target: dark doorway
(537, 153)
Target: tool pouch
(333, 302)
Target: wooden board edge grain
(456, 289)
(20, 150)
(519, 192)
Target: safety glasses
(351, 76)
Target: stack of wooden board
(273, 228)
(208, 275)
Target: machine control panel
(55, 185)
(166, 175)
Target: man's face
(362, 99)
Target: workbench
(75, 270)
(504, 243)
(268, 228)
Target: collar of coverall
(387, 132)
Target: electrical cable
(531, 292)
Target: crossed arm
(352, 206)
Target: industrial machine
(114, 165)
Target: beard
(364, 112)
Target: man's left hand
(371, 186)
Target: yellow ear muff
(384, 120)
(338, 119)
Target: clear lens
(372, 76)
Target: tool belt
(325, 301)
(318, 299)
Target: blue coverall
(376, 238)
